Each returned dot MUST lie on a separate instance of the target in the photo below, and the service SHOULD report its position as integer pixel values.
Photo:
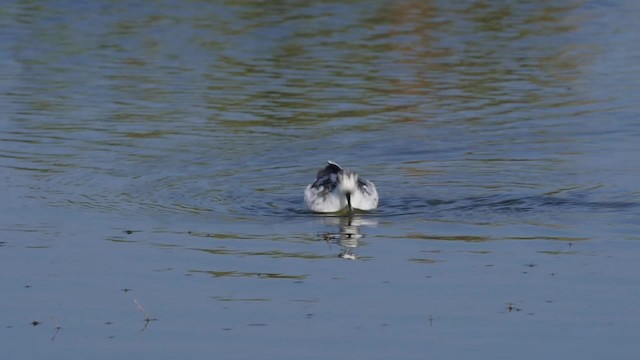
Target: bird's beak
(348, 195)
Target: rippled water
(158, 152)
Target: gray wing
(365, 186)
(327, 178)
(326, 183)
(331, 168)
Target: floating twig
(147, 318)
(58, 327)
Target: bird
(336, 189)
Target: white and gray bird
(335, 189)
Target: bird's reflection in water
(348, 235)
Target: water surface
(158, 153)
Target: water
(158, 153)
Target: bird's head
(348, 181)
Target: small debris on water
(512, 307)
(58, 327)
(147, 318)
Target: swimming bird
(335, 189)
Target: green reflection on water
(424, 261)
(261, 275)
(271, 254)
(234, 299)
